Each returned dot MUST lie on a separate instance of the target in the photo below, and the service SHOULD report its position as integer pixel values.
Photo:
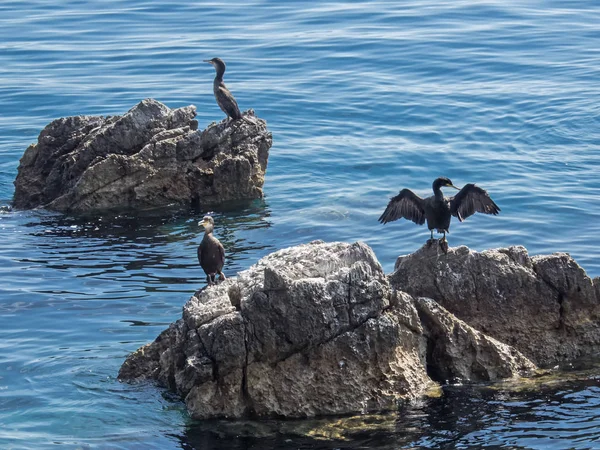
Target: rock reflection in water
(497, 416)
(154, 249)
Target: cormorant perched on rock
(437, 209)
(223, 96)
(211, 254)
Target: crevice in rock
(560, 298)
(475, 290)
(215, 368)
(442, 297)
(195, 201)
(83, 197)
(434, 371)
(308, 347)
(248, 403)
(208, 154)
(561, 311)
(235, 296)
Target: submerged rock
(152, 156)
(544, 306)
(313, 330)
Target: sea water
(363, 99)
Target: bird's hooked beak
(208, 61)
(202, 224)
(452, 186)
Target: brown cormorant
(211, 254)
(223, 96)
(437, 209)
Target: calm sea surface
(363, 99)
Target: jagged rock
(458, 352)
(311, 330)
(544, 306)
(152, 156)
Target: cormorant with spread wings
(437, 209)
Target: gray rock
(311, 330)
(151, 156)
(457, 352)
(545, 306)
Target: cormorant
(211, 254)
(437, 209)
(223, 96)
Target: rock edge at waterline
(150, 157)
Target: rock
(152, 156)
(313, 330)
(458, 352)
(544, 306)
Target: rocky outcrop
(457, 352)
(152, 156)
(312, 330)
(544, 306)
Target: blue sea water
(363, 99)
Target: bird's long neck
(437, 192)
(208, 232)
(220, 72)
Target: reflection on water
(134, 242)
(519, 415)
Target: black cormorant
(211, 254)
(223, 96)
(437, 209)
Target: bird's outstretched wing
(407, 205)
(228, 103)
(471, 199)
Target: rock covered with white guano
(152, 156)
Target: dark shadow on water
(138, 240)
(197, 438)
(139, 323)
(143, 223)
